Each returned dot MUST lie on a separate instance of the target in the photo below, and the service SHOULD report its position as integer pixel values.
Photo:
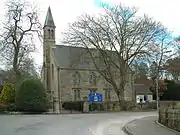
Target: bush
(11, 107)
(128, 105)
(172, 93)
(147, 106)
(96, 107)
(75, 105)
(152, 105)
(3, 108)
(8, 94)
(93, 107)
(1, 88)
(31, 96)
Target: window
(76, 94)
(145, 97)
(76, 78)
(52, 34)
(49, 33)
(44, 71)
(92, 78)
(52, 72)
(92, 90)
(48, 80)
(107, 94)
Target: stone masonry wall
(66, 86)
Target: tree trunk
(15, 64)
(121, 100)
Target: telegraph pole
(157, 95)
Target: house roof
(147, 82)
(141, 88)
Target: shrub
(73, 105)
(8, 94)
(128, 105)
(147, 106)
(11, 107)
(3, 107)
(102, 107)
(93, 106)
(1, 88)
(152, 105)
(31, 96)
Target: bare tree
(28, 67)
(113, 40)
(18, 37)
(162, 49)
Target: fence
(170, 118)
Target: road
(76, 124)
(148, 127)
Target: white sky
(64, 11)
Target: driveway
(76, 124)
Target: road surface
(76, 124)
(148, 127)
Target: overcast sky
(64, 11)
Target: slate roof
(142, 89)
(69, 57)
(49, 19)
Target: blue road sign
(95, 97)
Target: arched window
(49, 33)
(52, 72)
(52, 34)
(76, 78)
(92, 78)
(44, 71)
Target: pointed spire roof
(49, 19)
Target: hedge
(31, 97)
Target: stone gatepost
(86, 107)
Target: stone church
(66, 82)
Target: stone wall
(169, 114)
(170, 118)
(66, 86)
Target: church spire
(49, 19)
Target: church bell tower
(48, 43)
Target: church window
(48, 80)
(52, 33)
(76, 78)
(92, 90)
(107, 94)
(49, 33)
(44, 70)
(76, 94)
(92, 78)
(52, 72)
